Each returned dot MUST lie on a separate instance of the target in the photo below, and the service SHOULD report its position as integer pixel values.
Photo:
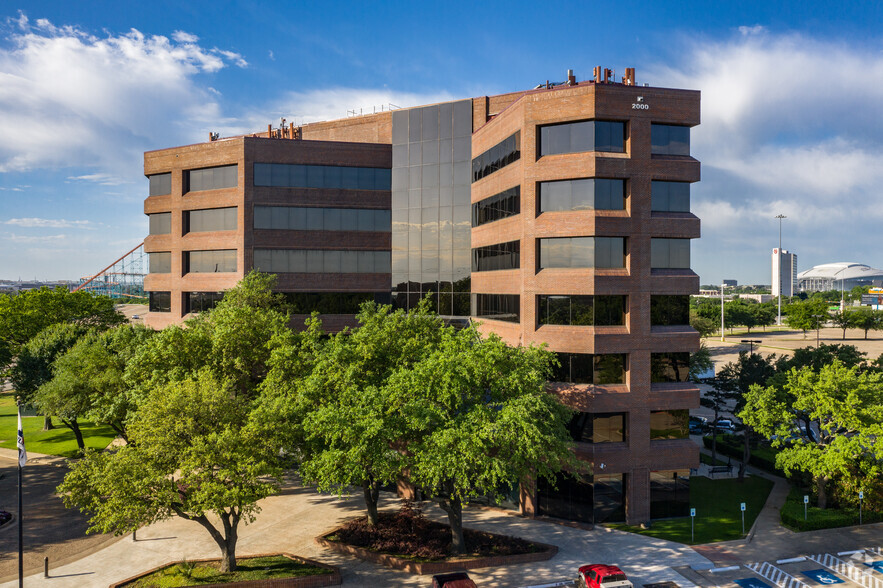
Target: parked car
(698, 425)
(603, 576)
(724, 425)
(452, 580)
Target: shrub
(732, 447)
(821, 518)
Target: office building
(784, 272)
(558, 215)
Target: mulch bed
(407, 540)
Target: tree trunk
(120, 431)
(821, 483)
(47, 423)
(454, 508)
(372, 498)
(226, 542)
(74, 426)
(746, 454)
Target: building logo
(640, 105)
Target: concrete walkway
(291, 521)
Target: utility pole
(779, 268)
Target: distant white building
(840, 275)
(784, 272)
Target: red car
(603, 576)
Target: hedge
(821, 518)
(726, 447)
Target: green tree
(764, 315)
(738, 313)
(480, 421)
(33, 366)
(717, 398)
(817, 357)
(355, 423)
(844, 319)
(703, 325)
(807, 316)
(843, 411)
(867, 319)
(27, 313)
(215, 459)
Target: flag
(22, 454)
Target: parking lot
(859, 568)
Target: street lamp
(779, 265)
(818, 318)
(842, 301)
(751, 343)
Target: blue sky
(790, 116)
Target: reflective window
(587, 135)
(211, 178)
(590, 499)
(583, 194)
(670, 367)
(159, 262)
(669, 253)
(284, 175)
(586, 368)
(670, 196)
(501, 256)
(581, 310)
(160, 184)
(159, 301)
(669, 310)
(201, 301)
(587, 427)
(497, 157)
(500, 307)
(669, 424)
(669, 494)
(669, 140)
(582, 252)
(223, 260)
(215, 219)
(160, 223)
(296, 218)
(332, 302)
(502, 205)
(278, 261)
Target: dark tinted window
(159, 301)
(223, 260)
(670, 140)
(581, 310)
(211, 178)
(160, 262)
(283, 175)
(295, 218)
(669, 253)
(160, 184)
(333, 261)
(669, 310)
(670, 197)
(582, 194)
(502, 205)
(215, 219)
(332, 302)
(669, 494)
(582, 252)
(670, 367)
(585, 368)
(497, 157)
(501, 256)
(160, 223)
(669, 424)
(587, 135)
(586, 427)
(501, 307)
(201, 301)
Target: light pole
(722, 312)
(779, 266)
(842, 301)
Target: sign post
(805, 502)
(742, 508)
(861, 497)
(692, 518)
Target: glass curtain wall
(431, 207)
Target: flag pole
(22, 459)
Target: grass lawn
(257, 568)
(58, 441)
(718, 517)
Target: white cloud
(788, 126)
(29, 239)
(102, 179)
(70, 98)
(48, 223)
